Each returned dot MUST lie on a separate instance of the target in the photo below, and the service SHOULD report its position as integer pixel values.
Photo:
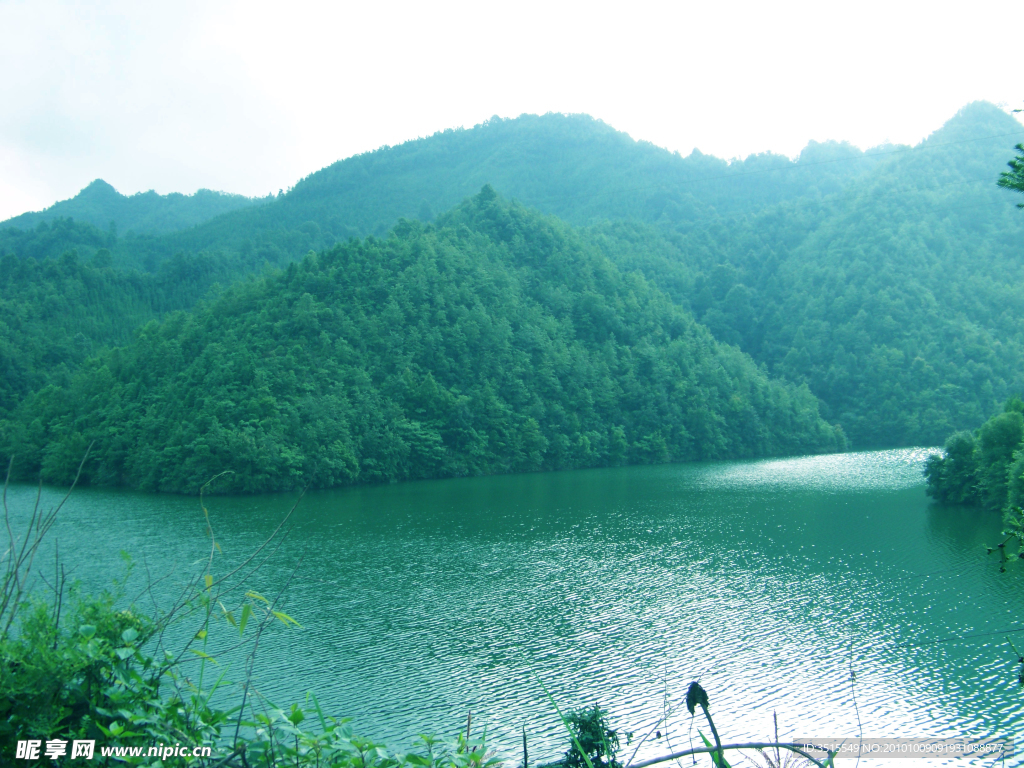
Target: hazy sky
(250, 97)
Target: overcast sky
(250, 97)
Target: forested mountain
(899, 301)
(56, 312)
(101, 205)
(494, 340)
(572, 166)
(889, 282)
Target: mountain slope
(55, 313)
(496, 341)
(101, 205)
(572, 166)
(898, 301)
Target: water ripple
(768, 581)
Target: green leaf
(284, 618)
(124, 653)
(246, 613)
(257, 596)
(129, 634)
(206, 656)
(714, 755)
(87, 631)
(319, 712)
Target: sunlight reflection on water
(767, 580)
(869, 470)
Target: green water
(769, 581)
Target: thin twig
(792, 747)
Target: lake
(769, 581)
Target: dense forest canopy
(887, 282)
(572, 166)
(496, 340)
(899, 301)
(984, 467)
(54, 313)
(104, 207)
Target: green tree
(1014, 178)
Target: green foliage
(55, 313)
(898, 301)
(89, 676)
(953, 475)
(100, 205)
(81, 667)
(1014, 178)
(887, 282)
(496, 340)
(572, 166)
(998, 437)
(593, 742)
(69, 680)
(984, 467)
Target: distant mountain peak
(98, 190)
(99, 204)
(978, 119)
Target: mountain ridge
(100, 205)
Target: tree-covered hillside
(101, 205)
(54, 313)
(572, 166)
(899, 301)
(495, 340)
(984, 467)
(889, 282)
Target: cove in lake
(768, 581)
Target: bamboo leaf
(284, 618)
(246, 613)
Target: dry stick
(230, 757)
(646, 736)
(265, 543)
(667, 712)
(793, 747)
(243, 579)
(190, 586)
(150, 583)
(775, 719)
(46, 521)
(250, 660)
(14, 559)
(7, 517)
(21, 564)
(60, 602)
(853, 694)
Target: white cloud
(249, 97)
